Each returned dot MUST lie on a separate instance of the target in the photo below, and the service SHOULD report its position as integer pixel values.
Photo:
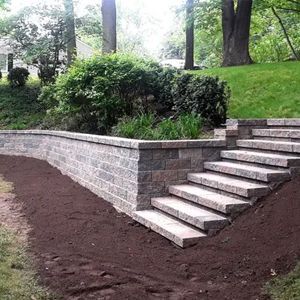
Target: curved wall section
(125, 172)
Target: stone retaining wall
(125, 172)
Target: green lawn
(285, 287)
(262, 90)
(19, 108)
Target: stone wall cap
(246, 122)
(124, 142)
(264, 122)
(284, 122)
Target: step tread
(250, 171)
(262, 154)
(277, 132)
(264, 170)
(208, 198)
(240, 187)
(190, 213)
(228, 180)
(180, 233)
(284, 146)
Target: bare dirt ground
(84, 249)
(11, 216)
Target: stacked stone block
(125, 172)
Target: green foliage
(262, 90)
(37, 36)
(203, 95)
(149, 127)
(267, 41)
(19, 108)
(136, 127)
(285, 287)
(96, 92)
(89, 26)
(18, 77)
(208, 33)
(3, 4)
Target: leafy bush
(96, 92)
(147, 126)
(202, 95)
(18, 76)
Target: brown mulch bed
(84, 249)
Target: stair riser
(249, 174)
(204, 225)
(285, 163)
(248, 193)
(264, 145)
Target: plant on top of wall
(96, 93)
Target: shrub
(202, 95)
(96, 92)
(18, 76)
(147, 126)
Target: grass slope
(19, 108)
(262, 90)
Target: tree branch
(285, 33)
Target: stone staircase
(212, 199)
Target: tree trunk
(285, 33)
(109, 20)
(70, 31)
(236, 32)
(189, 52)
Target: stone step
(277, 133)
(278, 160)
(248, 171)
(230, 185)
(279, 139)
(167, 226)
(283, 123)
(270, 145)
(210, 199)
(190, 213)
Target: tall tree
(236, 19)
(109, 20)
(70, 31)
(189, 47)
